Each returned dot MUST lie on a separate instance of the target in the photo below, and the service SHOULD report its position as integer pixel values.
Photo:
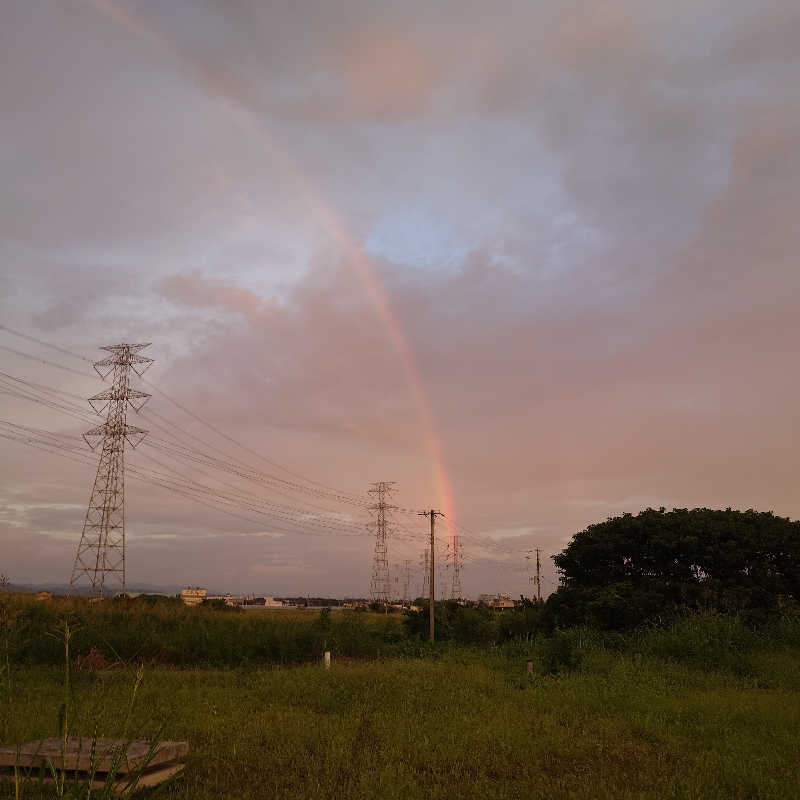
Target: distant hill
(81, 591)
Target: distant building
(263, 602)
(355, 604)
(44, 595)
(496, 600)
(230, 599)
(193, 595)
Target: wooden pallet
(34, 758)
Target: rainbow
(231, 89)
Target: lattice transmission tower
(425, 563)
(101, 551)
(406, 572)
(379, 587)
(456, 563)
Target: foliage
(168, 633)
(708, 641)
(469, 724)
(477, 625)
(219, 604)
(560, 653)
(629, 569)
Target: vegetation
(173, 634)
(668, 665)
(636, 717)
(658, 564)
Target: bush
(561, 652)
(708, 641)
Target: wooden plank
(151, 777)
(78, 754)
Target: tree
(619, 573)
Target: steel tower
(101, 551)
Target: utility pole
(432, 514)
(101, 551)
(379, 585)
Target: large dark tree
(626, 570)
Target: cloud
(581, 215)
(192, 290)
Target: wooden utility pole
(432, 514)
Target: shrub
(561, 653)
(709, 641)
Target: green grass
(170, 633)
(706, 707)
(468, 725)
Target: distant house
(271, 602)
(44, 595)
(193, 595)
(497, 600)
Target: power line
(327, 490)
(42, 387)
(187, 452)
(346, 497)
(45, 344)
(43, 440)
(44, 361)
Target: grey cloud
(582, 217)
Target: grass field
(705, 708)
(466, 725)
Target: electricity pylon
(424, 562)
(379, 584)
(536, 580)
(455, 557)
(406, 581)
(101, 551)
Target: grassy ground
(468, 725)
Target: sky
(536, 262)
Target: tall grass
(468, 725)
(171, 634)
(706, 707)
(57, 780)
